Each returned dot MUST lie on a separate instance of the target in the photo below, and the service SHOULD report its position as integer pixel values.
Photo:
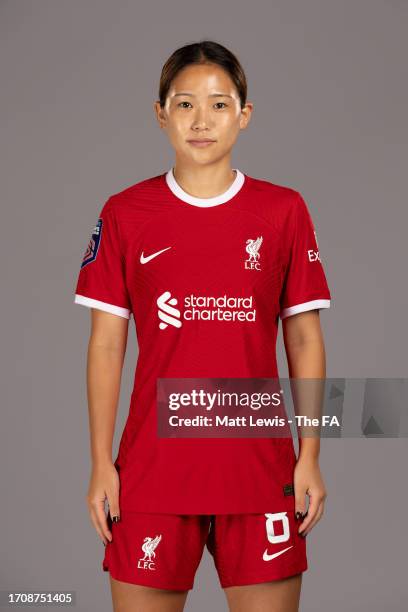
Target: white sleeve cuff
(91, 303)
(312, 305)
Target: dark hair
(203, 52)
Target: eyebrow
(185, 93)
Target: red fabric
(247, 548)
(206, 258)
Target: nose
(201, 120)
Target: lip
(203, 142)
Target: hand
(104, 484)
(308, 480)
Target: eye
(184, 102)
(221, 103)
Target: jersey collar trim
(205, 202)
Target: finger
(113, 502)
(95, 523)
(99, 509)
(311, 512)
(300, 505)
(114, 510)
(316, 519)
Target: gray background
(329, 85)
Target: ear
(160, 114)
(246, 115)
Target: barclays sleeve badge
(93, 246)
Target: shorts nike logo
(144, 260)
(267, 557)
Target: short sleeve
(101, 281)
(305, 286)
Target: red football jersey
(164, 256)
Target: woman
(207, 259)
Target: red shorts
(164, 550)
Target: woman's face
(202, 103)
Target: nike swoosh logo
(267, 557)
(144, 260)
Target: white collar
(205, 202)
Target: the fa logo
(148, 547)
(252, 248)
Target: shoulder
(280, 203)
(135, 196)
(281, 195)
(269, 187)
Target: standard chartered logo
(204, 308)
(168, 314)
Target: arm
(106, 352)
(306, 357)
